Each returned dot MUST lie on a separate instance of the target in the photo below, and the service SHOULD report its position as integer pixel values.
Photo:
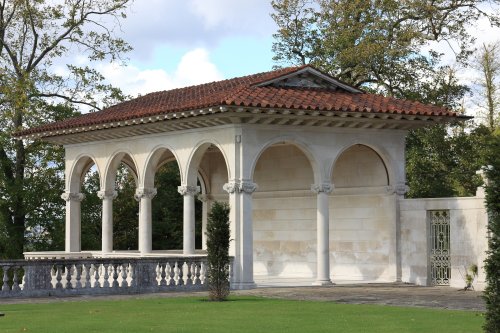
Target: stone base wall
(362, 235)
(468, 238)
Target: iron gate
(440, 246)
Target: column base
(323, 283)
(243, 285)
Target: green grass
(239, 314)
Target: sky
(179, 43)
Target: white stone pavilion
(313, 170)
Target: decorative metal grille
(440, 246)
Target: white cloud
(195, 67)
(193, 23)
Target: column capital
(231, 187)
(326, 188)
(244, 186)
(247, 187)
(400, 188)
(148, 193)
(70, 196)
(188, 190)
(109, 194)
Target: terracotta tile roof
(242, 91)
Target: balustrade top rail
(87, 276)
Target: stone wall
(362, 217)
(468, 238)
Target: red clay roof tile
(243, 91)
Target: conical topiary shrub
(218, 251)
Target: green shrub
(492, 263)
(218, 251)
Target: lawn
(239, 314)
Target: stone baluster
(189, 280)
(97, 282)
(106, 275)
(195, 267)
(59, 277)
(5, 280)
(178, 274)
(202, 272)
(88, 283)
(144, 196)
(163, 274)
(115, 276)
(323, 233)
(133, 282)
(68, 277)
(73, 220)
(171, 274)
(188, 192)
(107, 198)
(15, 279)
(124, 276)
(78, 271)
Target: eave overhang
(227, 115)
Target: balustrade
(87, 276)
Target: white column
(323, 233)
(144, 196)
(246, 245)
(107, 198)
(189, 193)
(204, 219)
(234, 228)
(73, 220)
(240, 198)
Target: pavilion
(313, 170)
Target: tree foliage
(36, 38)
(487, 63)
(218, 238)
(492, 263)
(384, 47)
(376, 44)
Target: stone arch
(381, 165)
(195, 158)
(284, 210)
(158, 157)
(303, 147)
(80, 167)
(112, 165)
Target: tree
(488, 65)
(383, 47)
(218, 237)
(492, 263)
(35, 35)
(373, 44)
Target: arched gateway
(312, 168)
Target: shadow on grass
(230, 299)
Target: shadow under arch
(158, 157)
(112, 165)
(380, 153)
(304, 148)
(79, 169)
(196, 157)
